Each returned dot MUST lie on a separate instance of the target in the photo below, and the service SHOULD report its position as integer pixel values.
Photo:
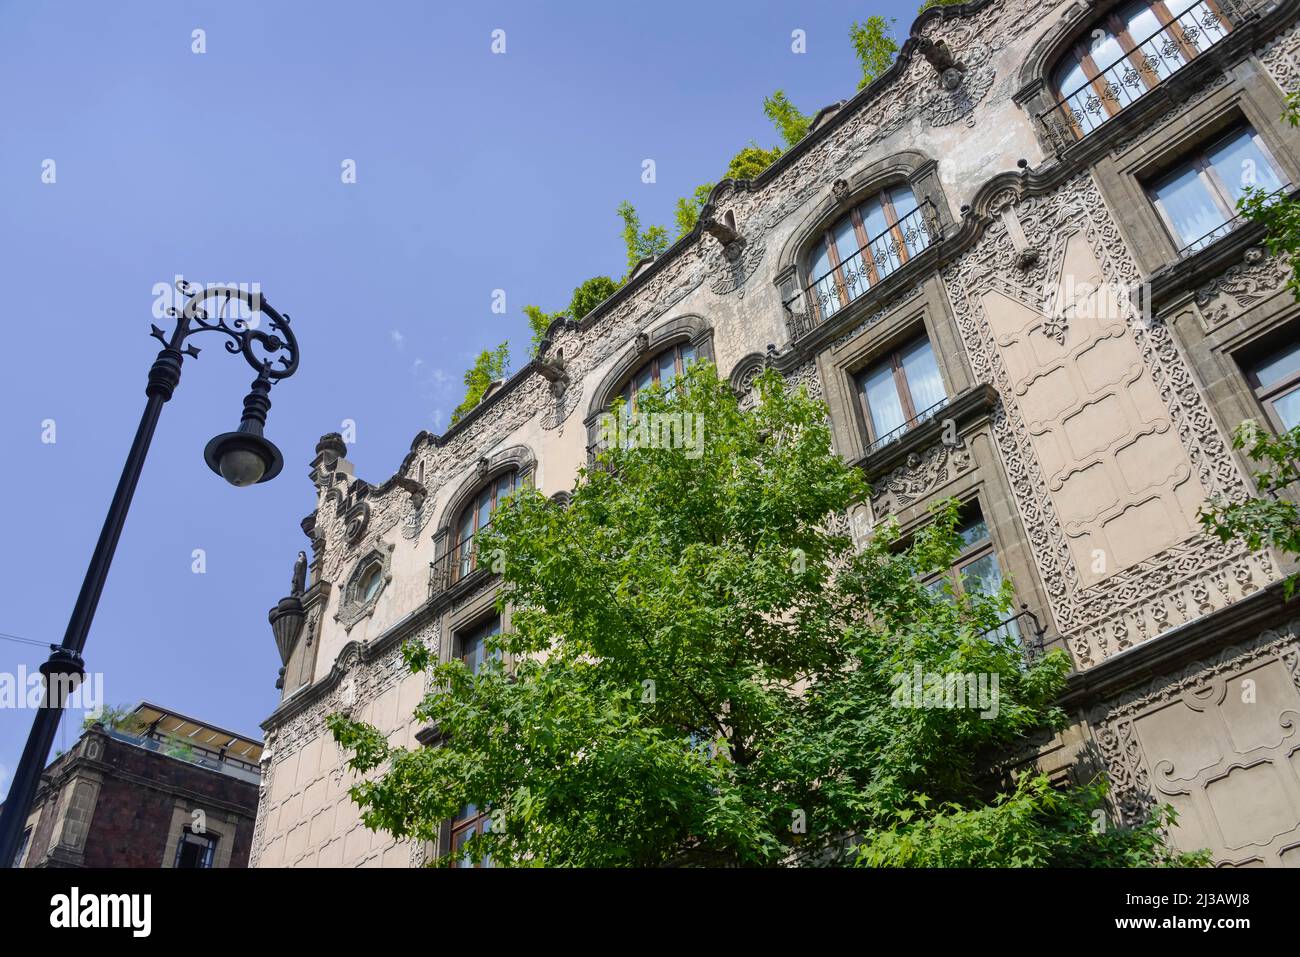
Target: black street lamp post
(243, 457)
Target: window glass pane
(821, 260)
(484, 507)
(668, 369)
(1104, 48)
(472, 652)
(688, 355)
(922, 374)
(371, 583)
(1070, 76)
(941, 588)
(982, 575)
(915, 234)
(824, 290)
(1278, 367)
(1287, 407)
(880, 233)
(1242, 165)
(853, 268)
(1187, 201)
(1084, 107)
(973, 532)
(643, 378)
(882, 399)
(1141, 21)
(903, 199)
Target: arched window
(476, 515)
(1132, 49)
(369, 582)
(662, 369)
(863, 247)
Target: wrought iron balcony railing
(896, 434)
(1231, 225)
(1009, 631)
(1144, 67)
(458, 562)
(881, 256)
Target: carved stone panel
(921, 474)
(1220, 743)
(1105, 437)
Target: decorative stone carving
(1195, 95)
(884, 309)
(299, 584)
(1281, 58)
(1104, 435)
(961, 88)
(732, 270)
(1242, 286)
(367, 675)
(743, 376)
(1218, 733)
(919, 476)
(808, 377)
(354, 607)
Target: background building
(1011, 267)
(169, 792)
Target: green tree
(786, 117)
(490, 366)
(875, 46)
(590, 295)
(701, 669)
(539, 321)
(1270, 520)
(751, 161)
(688, 210)
(117, 717)
(652, 241)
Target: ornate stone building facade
(1011, 269)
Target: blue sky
(475, 172)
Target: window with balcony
(472, 644)
(976, 569)
(1132, 50)
(1275, 378)
(195, 850)
(473, 518)
(864, 246)
(1197, 200)
(900, 391)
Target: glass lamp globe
(243, 458)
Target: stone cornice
(1167, 651)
